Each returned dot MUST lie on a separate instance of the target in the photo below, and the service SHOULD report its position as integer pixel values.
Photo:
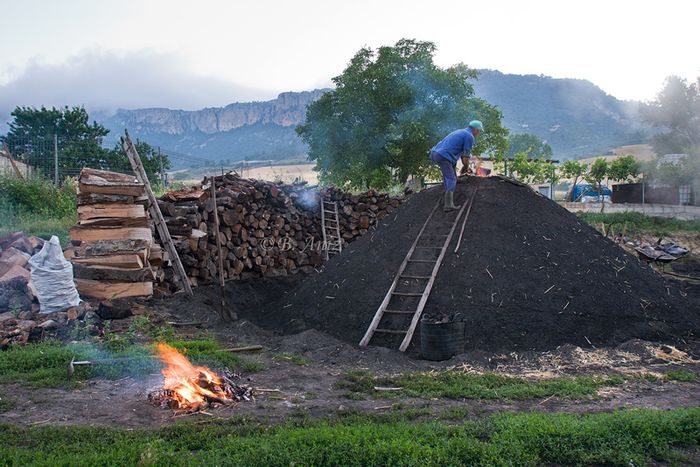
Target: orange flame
(191, 385)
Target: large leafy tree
(677, 111)
(519, 143)
(624, 169)
(388, 108)
(31, 138)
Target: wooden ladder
(331, 228)
(154, 211)
(425, 278)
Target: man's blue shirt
(455, 144)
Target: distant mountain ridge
(289, 108)
(574, 116)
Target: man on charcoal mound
(447, 152)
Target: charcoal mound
(528, 275)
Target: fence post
(55, 160)
(163, 181)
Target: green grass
(681, 375)
(622, 438)
(7, 402)
(37, 207)
(455, 413)
(460, 385)
(640, 224)
(36, 225)
(45, 364)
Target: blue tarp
(584, 189)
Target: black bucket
(441, 341)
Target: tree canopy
(677, 111)
(388, 108)
(624, 169)
(79, 143)
(519, 143)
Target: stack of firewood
(266, 229)
(113, 252)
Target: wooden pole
(154, 210)
(466, 216)
(226, 315)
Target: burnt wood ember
(225, 392)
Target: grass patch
(459, 385)
(623, 438)
(680, 375)
(640, 224)
(45, 364)
(455, 413)
(7, 403)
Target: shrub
(37, 195)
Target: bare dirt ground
(286, 389)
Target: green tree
(676, 110)
(388, 108)
(595, 176)
(573, 169)
(624, 169)
(31, 138)
(154, 162)
(518, 143)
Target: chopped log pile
(266, 229)
(20, 321)
(113, 252)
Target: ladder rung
(422, 260)
(390, 331)
(401, 312)
(408, 294)
(415, 277)
(430, 247)
(328, 211)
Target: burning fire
(480, 171)
(187, 386)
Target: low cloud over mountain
(105, 81)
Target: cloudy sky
(185, 54)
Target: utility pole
(55, 159)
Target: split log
(110, 273)
(132, 261)
(118, 233)
(112, 183)
(113, 290)
(117, 212)
(102, 198)
(111, 247)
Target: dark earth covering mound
(528, 275)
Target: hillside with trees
(575, 117)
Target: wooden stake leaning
(6, 151)
(154, 210)
(225, 314)
(466, 216)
